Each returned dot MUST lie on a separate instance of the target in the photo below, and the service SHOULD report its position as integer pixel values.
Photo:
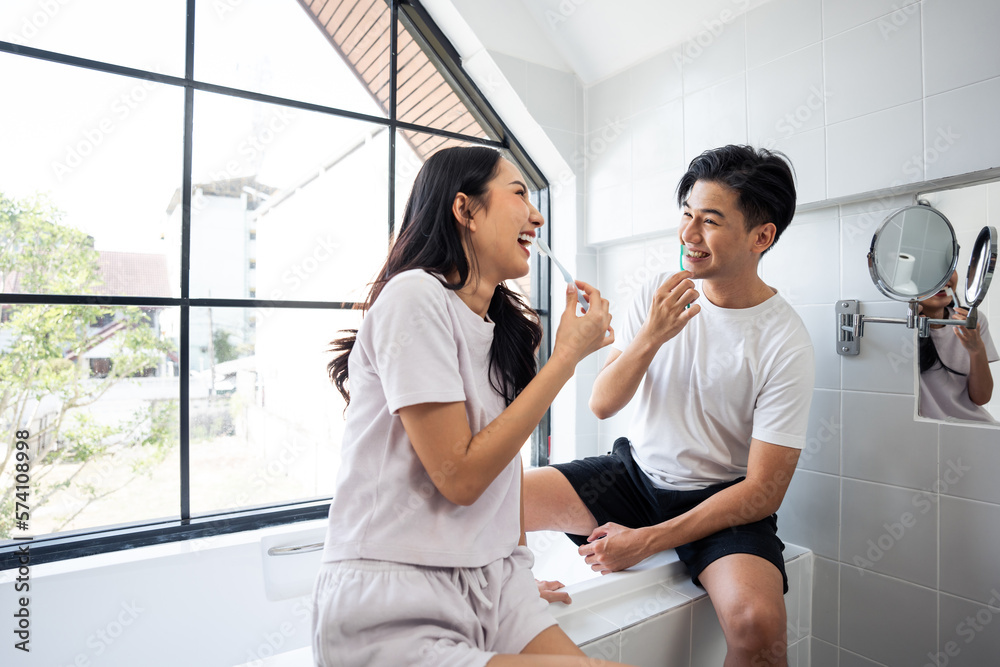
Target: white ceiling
(594, 38)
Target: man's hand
(671, 308)
(548, 591)
(613, 547)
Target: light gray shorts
(374, 613)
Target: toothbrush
(682, 268)
(954, 296)
(545, 250)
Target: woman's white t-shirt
(945, 395)
(728, 376)
(419, 343)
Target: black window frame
(90, 541)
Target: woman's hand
(970, 338)
(580, 335)
(549, 591)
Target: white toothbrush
(954, 296)
(545, 250)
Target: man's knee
(757, 628)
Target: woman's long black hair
(929, 357)
(431, 239)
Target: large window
(193, 201)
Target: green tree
(45, 386)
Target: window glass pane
(92, 155)
(270, 430)
(100, 401)
(148, 35)
(412, 149)
(333, 53)
(312, 190)
(424, 94)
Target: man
(724, 373)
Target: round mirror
(981, 266)
(913, 253)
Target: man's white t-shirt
(728, 376)
(945, 395)
(419, 343)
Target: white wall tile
(819, 321)
(609, 214)
(658, 139)
(656, 81)
(969, 566)
(604, 649)
(708, 643)
(822, 450)
(786, 96)
(608, 156)
(886, 361)
(889, 530)
(882, 442)
(964, 639)
(841, 15)
(810, 513)
(716, 53)
(804, 265)
(868, 70)
(780, 27)
(608, 101)
(715, 117)
(970, 459)
(959, 43)
(874, 152)
(822, 654)
(654, 209)
(961, 132)
(662, 641)
(848, 659)
(807, 151)
(826, 599)
(885, 619)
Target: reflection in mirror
(956, 365)
(984, 261)
(913, 253)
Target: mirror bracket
(851, 324)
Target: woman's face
(942, 299)
(504, 228)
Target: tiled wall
(867, 98)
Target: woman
(955, 378)
(425, 560)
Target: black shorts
(615, 489)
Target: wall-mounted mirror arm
(851, 324)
